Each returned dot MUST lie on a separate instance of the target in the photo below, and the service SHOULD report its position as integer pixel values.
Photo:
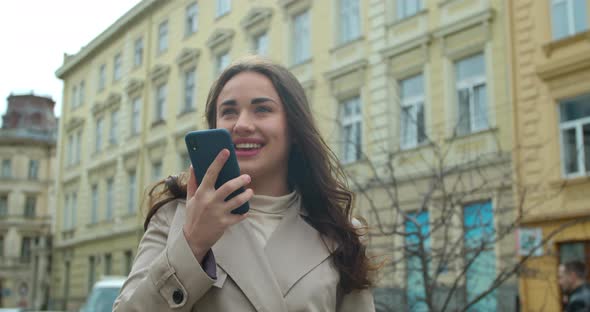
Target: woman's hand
(208, 215)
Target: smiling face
(249, 107)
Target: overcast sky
(36, 33)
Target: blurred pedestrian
(572, 280)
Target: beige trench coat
(293, 272)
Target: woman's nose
(244, 123)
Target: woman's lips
(247, 149)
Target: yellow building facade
(402, 78)
(134, 91)
(551, 74)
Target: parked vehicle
(103, 294)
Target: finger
(214, 169)
(191, 185)
(238, 200)
(231, 186)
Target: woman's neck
(269, 186)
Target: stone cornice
(187, 56)
(255, 16)
(134, 86)
(74, 123)
(483, 17)
(113, 101)
(343, 70)
(160, 73)
(220, 36)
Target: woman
(295, 250)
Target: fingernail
(247, 178)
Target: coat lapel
(294, 249)
(244, 260)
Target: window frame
(6, 168)
(414, 102)
(30, 208)
(351, 121)
(222, 8)
(98, 134)
(301, 52)
(114, 129)
(110, 199)
(471, 84)
(188, 104)
(578, 125)
(163, 33)
(117, 67)
(33, 172)
(191, 19)
(570, 18)
(94, 203)
(256, 40)
(160, 102)
(349, 21)
(402, 11)
(102, 77)
(135, 123)
(138, 52)
(131, 194)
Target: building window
(77, 146)
(135, 114)
(128, 261)
(408, 8)
(575, 251)
(70, 150)
(574, 126)
(156, 170)
(108, 264)
(1, 246)
(163, 37)
(412, 111)
(114, 131)
(91, 272)
(352, 121)
(117, 67)
(417, 247)
(110, 199)
(6, 168)
(73, 209)
(33, 169)
(98, 136)
(66, 214)
(261, 44)
(350, 20)
(102, 76)
(479, 238)
(25, 250)
(131, 196)
(189, 90)
(74, 99)
(221, 62)
(568, 17)
(30, 203)
(301, 41)
(81, 93)
(471, 95)
(223, 7)
(192, 12)
(160, 102)
(3, 205)
(138, 52)
(94, 205)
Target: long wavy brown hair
(313, 171)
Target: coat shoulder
(165, 214)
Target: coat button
(177, 296)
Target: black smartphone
(203, 146)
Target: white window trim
(163, 36)
(348, 34)
(138, 52)
(184, 107)
(471, 83)
(117, 64)
(350, 120)
(414, 102)
(222, 7)
(135, 118)
(571, 26)
(578, 125)
(161, 97)
(298, 40)
(402, 14)
(192, 13)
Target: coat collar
(265, 275)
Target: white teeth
(248, 145)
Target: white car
(103, 294)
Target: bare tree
(446, 224)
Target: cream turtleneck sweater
(266, 212)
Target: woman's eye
(263, 109)
(228, 111)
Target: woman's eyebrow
(260, 100)
(229, 103)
